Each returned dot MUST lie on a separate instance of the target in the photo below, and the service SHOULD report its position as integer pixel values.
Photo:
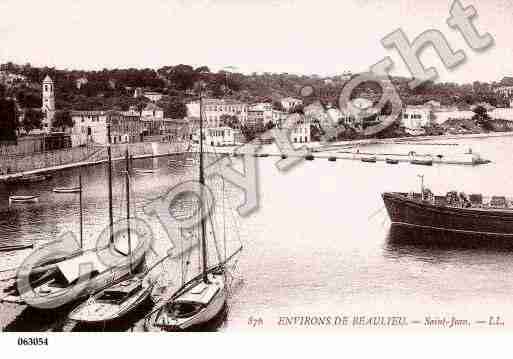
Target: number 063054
(32, 341)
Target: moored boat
(33, 178)
(204, 297)
(427, 162)
(453, 212)
(66, 189)
(196, 304)
(23, 199)
(18, 247)
(145, 171)
(112, 303)
(391, 161)
(371, 159)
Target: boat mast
(127, 179)
(202, 183)
(81, 211)
(109, 176)
(421, 186)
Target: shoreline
(315, 147)
(406, 140)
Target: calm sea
(320, 243)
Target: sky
(324, 37)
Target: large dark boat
(453, 212)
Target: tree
(32, 120)
(175, 109)
(482, 118)
(230, 120)
(8, 121)
(62, 120)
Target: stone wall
(22, 163)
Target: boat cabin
(120, 292)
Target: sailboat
(74, 276)
(202, 298)
(121, 298)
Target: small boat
(309, 157)
(332, 159)
(23, 199)
(422, 162)
(391, 161)
(66, 189)
(196, 304)
(16, 247)
(283, 157)
(262, 155)
(34, 178)
(145, 171)
(112, 303)
(369, 159)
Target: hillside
(114, 88)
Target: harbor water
(320, 243)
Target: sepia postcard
(285, 166)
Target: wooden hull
(142, 171)
(29, 179)
(369, 160)
(197, 320)
(42, 293)
(67, 190)
(95, 312)
(391, 161)
(417, 213)
(23, 199)
(422, 162)
(16, 248)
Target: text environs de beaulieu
(340, 320)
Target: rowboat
(369, 159)
(145, 171)
(29, 178)
(23, 199)
(309, 157)
(332, 159)
(391, 161)
(16, 247)
(422, 162)
(112, 303)
(66, 189)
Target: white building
(299, 126)
(259, 115)
(213, 109)
(81, 82)
(218, 136)
(278, 117)
(289, 103)
(504, 91)
(152, 112)
(416, 117)
(48, 106)
(89, 126)
(502, 114)
(153, 96)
